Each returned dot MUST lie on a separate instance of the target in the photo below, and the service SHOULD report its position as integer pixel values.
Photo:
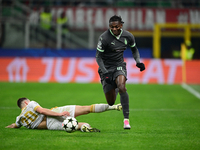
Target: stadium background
(163, 115)
(31, 54)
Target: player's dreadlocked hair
(20, 100)
(116, 18)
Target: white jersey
(29, 118)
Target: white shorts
(55, 123)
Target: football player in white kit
(33, 116)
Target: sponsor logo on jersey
(112, 43)
(119, 50)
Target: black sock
(124, 98)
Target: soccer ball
(70, 124)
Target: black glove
(108, 77)
(141, 66)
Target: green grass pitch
(162, 117)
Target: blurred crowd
(109, 3)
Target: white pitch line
(191, 90)
(132, 109)
(9, 108)
(164, 110)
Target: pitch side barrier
(38, 66)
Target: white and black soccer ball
(70, 124)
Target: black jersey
(112, 47)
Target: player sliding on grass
(112, 68)
(33, 116)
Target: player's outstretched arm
(13, 125)
(48, 112)
(136, 56)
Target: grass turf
(163, 117)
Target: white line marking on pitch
(164, 110)
(9, 108)
(132, 109)
(191, 90)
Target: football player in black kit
(112, 68)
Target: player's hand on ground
(11, 126)
(108, 77)
(141, 66)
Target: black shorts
(116, 71)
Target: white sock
(111, 107)
(86, 124)
(97, 108)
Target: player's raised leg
(111, 97)
(95, 108)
